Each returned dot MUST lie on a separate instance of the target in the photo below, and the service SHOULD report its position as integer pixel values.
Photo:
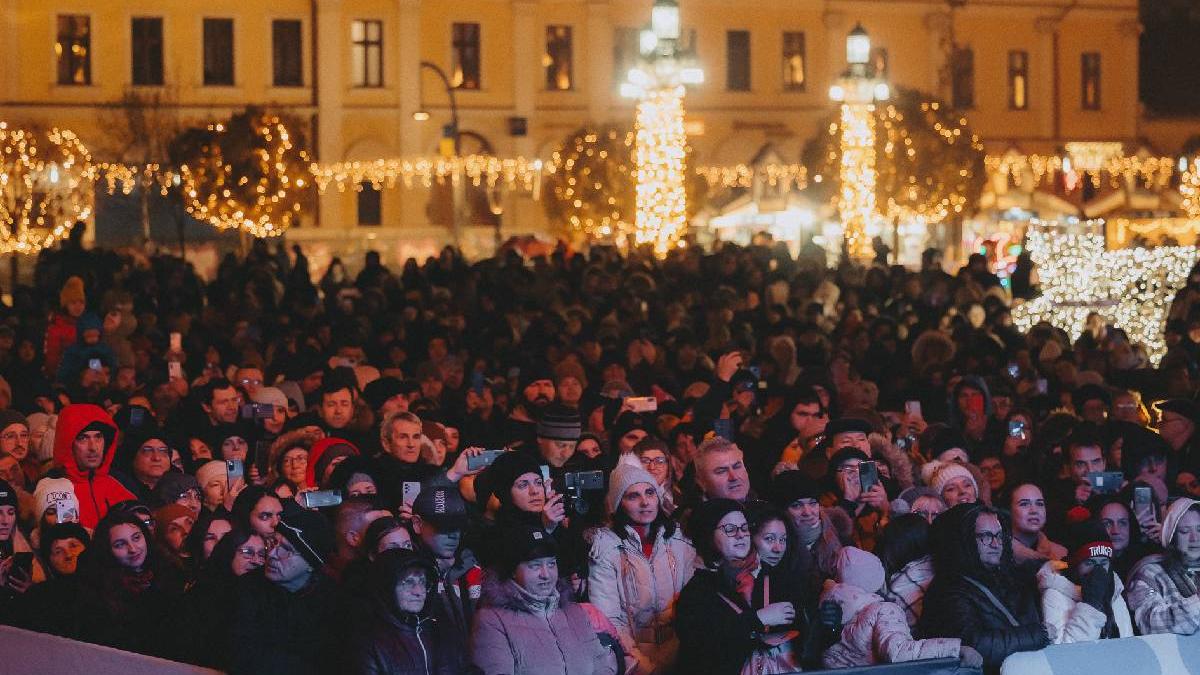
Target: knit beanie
(558, 423)
(8, 496)
(10, 417)
(857, 567)
(55, 492)
(1174, 515)
(1086, 539)
(59, 532)
(628, 472)
(703, 523)
(567, 369)
(210, 471)
(165, 515)
(944, 472)
(71, 291)
(504, 472)
(790, 486)
(272, 395)
(310, 534)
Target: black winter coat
(404, 645)
(955, 607)
(273, 630)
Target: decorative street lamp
(857, 90)
(658, 83)
(450, 149)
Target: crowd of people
(727, 462)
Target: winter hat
(1171, 520)
(272, 395)
(172, 486)
(937, 474)
(629, 421)
(323, 453)
(8, 496)
(10, 417)
(790, 486)
(89, 321)
(310, 534)
(71, 291)
(904, 503)
(567, 369)
(531, 373)
(558, 423)
(504, 472)
(56, 492)
(857, 567)
(59, 532)
(434, 431)
(378, 392)
(628, 472)
(523, 544)
(442, 506)
(848, 425)
(1087, 539)
(210, 471)
(292, 391)
(164, 515)
(703, 523)
(845, 455)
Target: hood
(974, 382)
(1174, 515)
(71, 421)
(319, 450)
(851, 599)
(952, 538)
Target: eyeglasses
(15, 435)
(247, 381)
(280, 551)
(654, 461)
(296, 460)
(989, 538)
(192, 495)
(732, 530)
(848, 468)
(251, 553)
(413, 582)
(928, 515)
(155, 449)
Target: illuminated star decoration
(1132, 288)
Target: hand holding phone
(641, 404)
(868, 475)
(408, 492)
(234, 469)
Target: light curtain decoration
(1131, 288)
(45, 187)
(659, 154)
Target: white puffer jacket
(875, 631)
(638, 594)
(1075, 620)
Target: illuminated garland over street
(45, 188)
(1131, 288)
(659, 155)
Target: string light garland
(856, 201)
(45, 187)
(126, 177)
(245, 174)
(519, 173)
(659, 154)
(787, 176)
(1189, 188)
(1131, 288)
(1150, 172)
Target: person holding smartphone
(860, 493)
(19, 569)
(1163, 587)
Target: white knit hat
(210, 470)
(272, 395)
(628, 472)
(944, 472)
(1174, 514)
(55, 492)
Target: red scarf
(742, 571)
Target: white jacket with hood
(1075, 620)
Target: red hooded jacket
(96, 490)
(314, 456)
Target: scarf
(741, 573)
(808, 536)
(541, 605)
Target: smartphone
(723, 428)
(545, 480)
(756, 372)
(24, 562)
(913, 408)
(1014, 371)
(1143, 504)
(641, 404)
(1016, 429)
(176, 342)
(94, 364)
(319, 499)
(868, 475)
(483, 460)
(1042, 386)
(234, 469)
(477, 382)
(175, 370)
(409, 491)
(1106, 481)
(137, 416)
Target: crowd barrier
(923, 667)
(28, 653)
(1145, 655)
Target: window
(465, 56)
(370, 205)
(793, 61)
(962, 78)
(218, 52)
(737, 60)
(287, 53)
(366, 44)
(626, 53)
(74, 49)
(1091, 81)
(558, 58)
(146, 38)
(1018, 80)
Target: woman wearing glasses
(655, 459)
(978, 593)
(736, 613)
(639, 564)
(239, 552)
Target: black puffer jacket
(955, 606)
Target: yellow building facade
(1031, 74)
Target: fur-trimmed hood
(897, 459)
(505, 594)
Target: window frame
(1091, 75)
(363, 50)
(744, 68)
(789, 83)
(204, 48)
(462, 44)
(65, 62)
(559, 46)
(1018, 67)
(147, 49)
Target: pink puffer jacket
(875, 631)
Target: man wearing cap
(535, 393)
(558, 431)
(282, 621)
(848, 432)
(14, 439)
(439, 519)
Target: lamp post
(451, 148)
(659, 83)
(858, 90)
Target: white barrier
(26, 653)
(1144, 655)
